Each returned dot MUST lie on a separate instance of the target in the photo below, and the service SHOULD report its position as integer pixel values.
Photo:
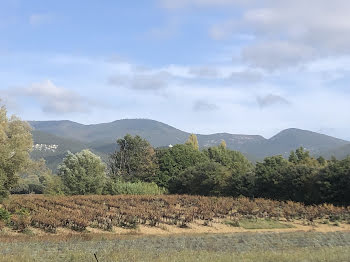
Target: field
(81, 213)
(170, 228)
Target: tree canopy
(172, 161)
(134, 161)
(193, 141)
(82, 173)
(206, 178)
(15, 146)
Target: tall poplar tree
(193, 141)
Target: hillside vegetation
(100, 138)
(213, 171)
(180, 169)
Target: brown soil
(220, 228)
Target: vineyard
(105, 212)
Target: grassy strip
(258, 224)
(335, 254)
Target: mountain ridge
(101, 138)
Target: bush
(136, 188)
(53, 185)
(21, 220)
(4, 215)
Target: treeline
(138, 168)
(218, 171)
(81, 173)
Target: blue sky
(204, 66)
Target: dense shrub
(4, 215)
(136, 188)
(21, 220)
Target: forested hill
(101, 138)
(53, 148)
(104, 135)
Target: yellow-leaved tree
(193, 141)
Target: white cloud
(190, 102)
(277, 55)
(52, 99)
(288, 33)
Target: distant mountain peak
(102, 138)
(302, 132)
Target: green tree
(193, 141)
(293, 158)
(333, 183)
(30, 178)
(302, 157)
(52, 184)
(15, 146)
(242, 184)
(231, 159)
(172, 161)
(241, 181)
(206, 178)
(269, 177)
(82, 173)
(302, 154)
(297, 183)
(280, 179)
(322, 161)
(135, 160)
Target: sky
(203, 66)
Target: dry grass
(248, 247)
(340, 254)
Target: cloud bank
(52, 99)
